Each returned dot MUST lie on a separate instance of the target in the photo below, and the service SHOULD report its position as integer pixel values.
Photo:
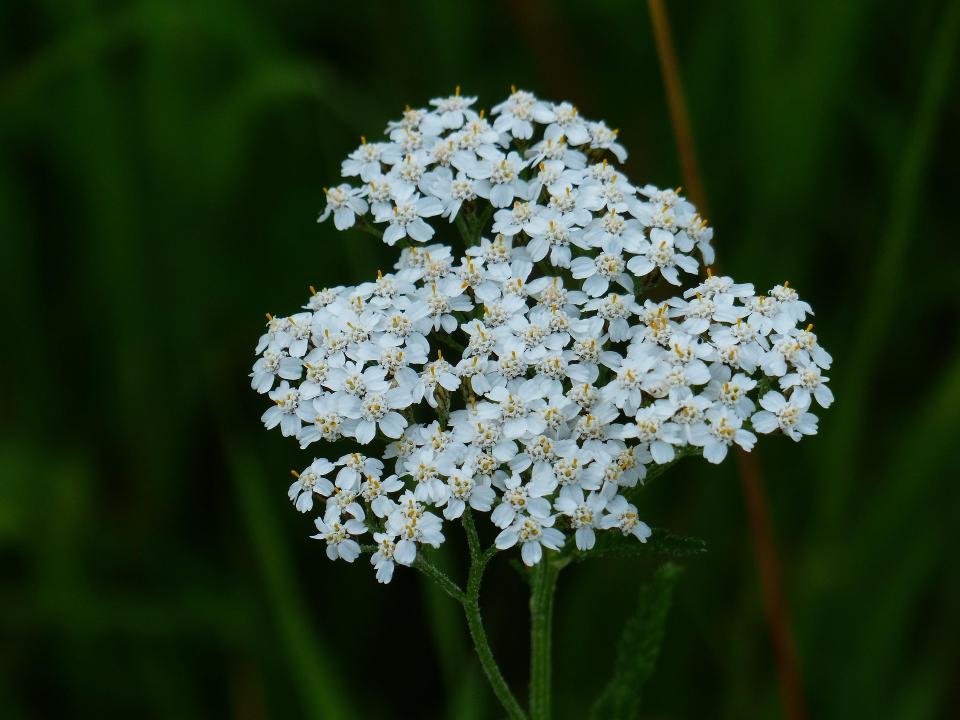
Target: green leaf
(314, 669)
(660, 544)
(638, 648)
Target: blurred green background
(161, 165)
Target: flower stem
(543, 584)
(471, 608)
(439, 577)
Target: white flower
(554, 147)
(791, 304)
(353, 379)
(376, 493)
(454, 110)
(623, 516)
(521, 217)
(498, 177)
(451, 191)
(436, 307)
(806, 381)
(604, 138)
(338, 534)
(624, 390)
(659, 253)
(365, 160)
(516, 113)
(517, 408)
(465, 489)
(790, 416)
(273, 364)
(287, 411)
(723, 430)
(533, 534)
(565, 118)
(327, 422)
(732, 391)
(697, 231)
(612, 226)
(552, 232)
(382, 559)
(600, 271)
(377, 410)
(438, 373)
(345, 203)
(565, 379)
(615, 309)
(310, 481)
(353, 468)
(518, 498)
(405, 216)
(654, 428)
(625, 468)
(585, 514)
(414, 526)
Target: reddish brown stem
(761, 530)
(679, 118)
(771, 585)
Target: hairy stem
(542, 586)
(471, 608)
(439, 577)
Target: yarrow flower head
(515, 363)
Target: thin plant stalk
(542, 587)
(767, 559)
(471, 608)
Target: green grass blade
(313, 668)
(880, 304)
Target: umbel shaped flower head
(520, 360)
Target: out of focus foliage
(161, 165)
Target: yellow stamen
(456, 91)
(513, 89)
(295, 474)
(709, 272)
(363, 140)
(269, 317)
(809, 327)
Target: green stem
(464, 227)
(363, 226)
(471, 225)
(542, 587)
(471, 608)
(439, 577)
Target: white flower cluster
(532, 377)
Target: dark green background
(161, 165)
